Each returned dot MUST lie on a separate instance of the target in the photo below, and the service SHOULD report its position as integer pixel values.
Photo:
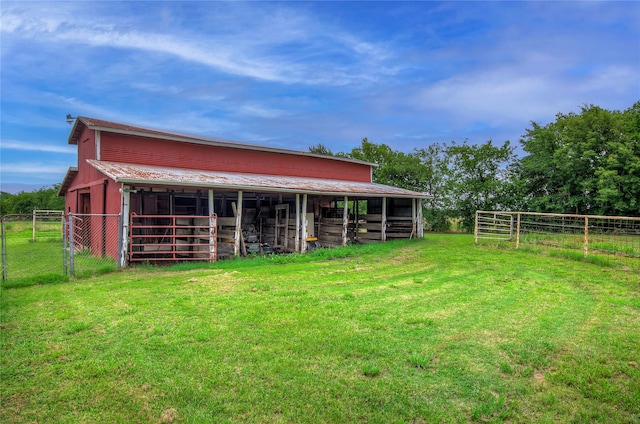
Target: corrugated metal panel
(144, 174)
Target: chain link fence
(45, 246)
(95, 243)
(32, 245)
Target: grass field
(417, 331)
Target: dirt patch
(169, 416)
(538, 377)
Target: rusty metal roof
(115, 127)
(135, 174)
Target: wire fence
(611, 239)
(44, 245)
(94, 243)
(30, 247)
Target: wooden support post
(296, 239)
(345, 221)
(420, 219)
(414, 219)
(126, 199)
(304, 223)
(212, 230)
(356, 219)
(281, 241)
(383, 224)
(238, 232)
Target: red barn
(185, 197)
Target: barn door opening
(83, 225)
(85, 204)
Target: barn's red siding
(114, 197)
(154, 152)
(86, 150)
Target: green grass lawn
(417, 331)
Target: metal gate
(493, 225)
(172, 238)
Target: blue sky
(296, 74)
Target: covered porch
(232, 214)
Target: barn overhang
(134, 174)
(68, 180)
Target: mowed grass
(417, 331)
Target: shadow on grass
(35, 280)
(55, 278)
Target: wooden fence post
(475, 230)
(518, 232)
(586, 236)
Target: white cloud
(506, 95)
(255, 53)
(34, 168)
(258, 110)
(35, 146)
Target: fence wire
(615, 238)
(32, 246)
(95, 243)
(45, 244)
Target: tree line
(45, 198)
(582, 163)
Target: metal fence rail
(172, 238)
(496, 226)
(614, 236)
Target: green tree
(618, 177)
(45, 198)
(459, 178)
(477, 178)
(438, 208)
(584, 163)
(394, 168)
(321, 149)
